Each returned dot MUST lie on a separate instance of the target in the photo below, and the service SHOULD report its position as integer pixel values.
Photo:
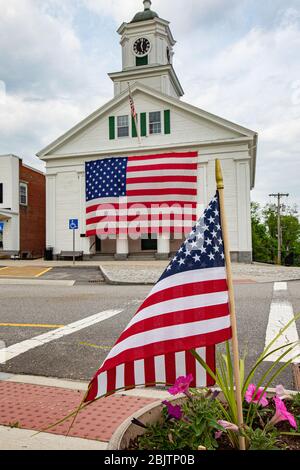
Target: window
(155, 123)
(123, 126)
(1, 193)
(23, 194)
(141, 61)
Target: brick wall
(33, 216)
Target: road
(27, 312)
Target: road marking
(280, 286)
(281, 312)
(43, 272)
(2, 269)
(15, 350)
(104, 348)
(30, 325)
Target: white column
(163, 247)
(51, 210)
(201, 188)
(122, 248)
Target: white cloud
(237, 59)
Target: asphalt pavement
(30, 311)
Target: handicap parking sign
(1, 227)
(73, 224)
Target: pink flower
(282, 393)
(173, 411)
(181, 385)
(256, 396)
(282, 414)
(218, 434)
(228, 426)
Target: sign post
(74, 225)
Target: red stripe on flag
(190, 366)
(170, 365)
(164, 347)
(185, 290)
(139, 218)
(93, 390)
(211, 361)
(163, 166)
(160, 192)
(164, 155)
(129, 375)
(149, 365)
(154, 205)
(162, 179)
(135, 230)
(176, 318)
(111, 380)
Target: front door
(149, 244)
(98, 245)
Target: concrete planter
(150, 414)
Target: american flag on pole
(132, 105)
(146, 194)
(187, 309)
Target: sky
(238, 59)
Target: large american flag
(187, 309)
(146, 194)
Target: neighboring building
(22, 209)
(166, 124)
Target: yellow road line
(104, 348)
(43, 272)
(2, 269)
(30, 325)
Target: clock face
(141, 47)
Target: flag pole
(134, 116)
(235, 346)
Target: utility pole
(279, 237)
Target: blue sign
(73, 224)
(1, 227)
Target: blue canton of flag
(106, 178)
(204, 247)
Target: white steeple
(147, 54)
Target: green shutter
(167, 122)
(141, 61)
(112, 133)
(143, 124)
(133, 127)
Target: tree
(264, 234)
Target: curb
(36, 282)
(111, 282)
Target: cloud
(235, 58)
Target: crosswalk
(281, 312)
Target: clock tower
(147, 54)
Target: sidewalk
(130, 273)
(30, 404)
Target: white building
(9, 203)
(147, 64)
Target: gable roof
(243, 131)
